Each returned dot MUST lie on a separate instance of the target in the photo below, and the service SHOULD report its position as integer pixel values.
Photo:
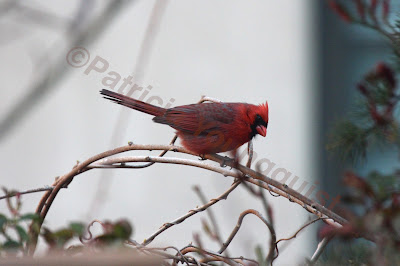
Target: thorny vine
(243, 175)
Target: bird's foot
(235, 159)
(224, 160)
(202, 157)
(241, 178)
(234, 164)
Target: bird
(205, 128)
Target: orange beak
(262, 130)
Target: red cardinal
(206, 127)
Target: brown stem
(298, 231)
(251, 177)
(239, 224)
(190, 213)
(215, 228)
(35, 190)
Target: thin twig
(35, 190)
(320, 248)
(200, 247)
(239, 224)
(179, 253)
(216, 233)
(298, 231)
(282, 189)
(250, 176)
(215, 256)
(250, 153)
(121, 162)
(190, 213)
(180, 256)
(144, 53)
(82, 238)
(261, 196)
(161, 252)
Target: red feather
(207, 127)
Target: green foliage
(13, 231)
(339, 253)
(384, 185)
(372, 203)
(372, 120)
(13, 228)
(115, 234)
(14, 238)
(349, 141)
(59, 239)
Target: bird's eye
(260, 120)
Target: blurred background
(297, 55)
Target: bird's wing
(198, 118)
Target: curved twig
(239, 224)
(90, 237)
(161, 252)
(298, 231)
(121, 162)
(190, 213)
(283, 190)
(214, 256)
(216, 233)
(250, 176)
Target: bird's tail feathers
(132, 103)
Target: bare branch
(216, 233)
(250, 153)
(250, 176)
(298, 231)
(190, 213)
(283, 190)
(239, 224)
(121, 162)
(161, 252)
(82, 238)
(320, 248)
(214, 256)
(295, 234)
(16, 193)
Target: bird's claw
(202, 157)
(224, 160)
